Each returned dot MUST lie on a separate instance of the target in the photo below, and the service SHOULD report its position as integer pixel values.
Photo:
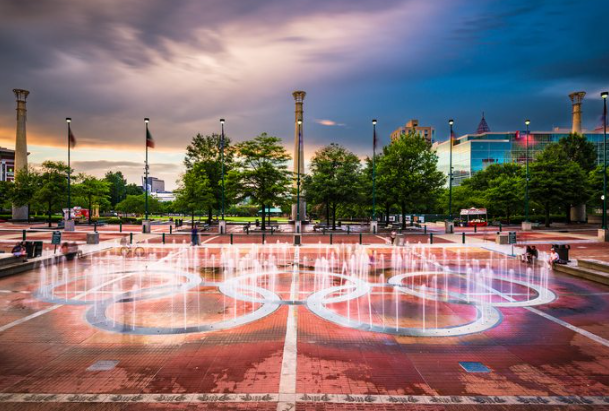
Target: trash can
(37, 248)
(562, 250)
(33, 249)
(449, 227)
(92, 238)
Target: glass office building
(475, 152)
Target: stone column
(298, 115)
(576, 100)
(20, 213)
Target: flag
(149, 139)
(71, 139)
(374, 140)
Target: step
(594, 265)
(582, 272)
(7, 259)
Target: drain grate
(103, 365)
(472, 366)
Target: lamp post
(450, 172)
(146, 120)
(526, 186)
(69, 121)
(373, 170)
(604, 95)
(298, 174)
(222, 159)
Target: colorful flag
(149, 139)
(71, 139)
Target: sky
(185, 64)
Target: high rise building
(413, 125)
(7, 164)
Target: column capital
(299, 96)
(21, 94)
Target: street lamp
(604, 96)
(450, 172)
(526, 187)
(69, 121)
(222, 158)
(298, 173)
(146, 120)
(373, 170)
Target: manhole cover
(474, 366)
(103, 365)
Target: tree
(137, 204)
(27, 183)
(555, 180)
(93, 191)
(6, 189)
(133, 190)
(504, 194)
(577, 148)
(117, 186)
(409, 167)
(334, 179)
(194, 193)
(52, 193)
(205, 153)
(384, 197)
(262, 174)
(595, 182)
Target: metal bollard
(475, 229)
(430, 238)
(170, 229)
(463, 237)
(231, 238)
(120, 227)
(425, 229)
(263, 237)
(360, 238)
(23, 235)
(331, 238)
(95, 227)
(348, 229)
(500, 227)
(163, 238)
(130, 238)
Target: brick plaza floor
(550, 356)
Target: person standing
(194, 236)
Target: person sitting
(20, 251)
(554, 258)
(526, 256)
(534, 254)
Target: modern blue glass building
(475, 152)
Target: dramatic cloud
(187, 63)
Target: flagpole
(222, 155)
(450, 174)
(298, 165)
(146, 120)
(69, 121)
(373, 170)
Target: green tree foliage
(383, 190)
(6, 189)
(556, 181)
(205, 153)
(504, 195)
(27, 182)
(334, 179)
(52, 193)
(194, 193)
(136, 204)
(577, 148)
(409, 167)
(262, 173)
(92, 191)
(595, 182)
(133, 190)
(117, 186)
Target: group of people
(20, 251)
(530, 255)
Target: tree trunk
(567, 213)
(387, 213)
(334, 216)
(192, 219)
(28, 213)
(90, 209)
(209, 215)
(263, 226)
(49, 211)
(508, 215)
(327, 213)
(403, 216)
(547, 209)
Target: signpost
(56, 240)
(512, 237)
